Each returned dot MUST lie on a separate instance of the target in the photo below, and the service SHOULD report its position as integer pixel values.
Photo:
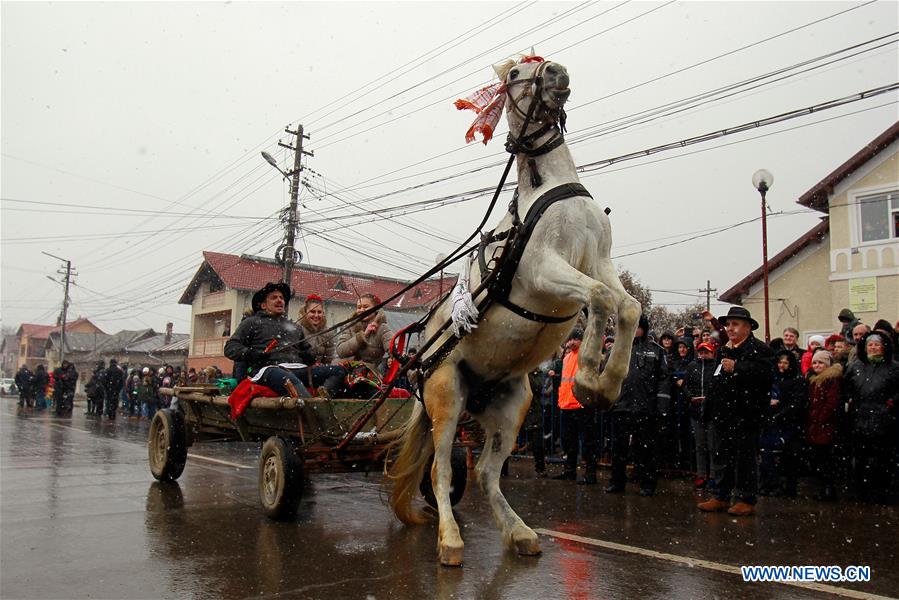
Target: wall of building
(795, 294)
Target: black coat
(697, 379)
(740, 397)
(791, 391)
(113, 380)
(873, 392)
(23, 379)
(64, 380)
(646, 389)
(255, 333)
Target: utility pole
(708, 294)
(65, 304)
(288, 253)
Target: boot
(828, 494)
(589, 479)
(713, 505)
(741, 509)
(566, 475)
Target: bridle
(552, 119)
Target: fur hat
(817, 338)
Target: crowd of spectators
(742, 417)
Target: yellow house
(849, 260)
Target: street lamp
(271, 160)
(439, 260)
(762, 180)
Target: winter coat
(322, 347)
(846, 330)
(64, 380)
(23, 380)
(823, 405)
(790, 389)
(40, 381)
(255, 333)
(146, 391)
(739, 397)
(113, 381)
(873, 392)
(567, 401)
(647, 387)
(697, 378)
(354, 344)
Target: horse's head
(529, 81)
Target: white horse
(565, 266)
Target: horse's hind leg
(501, 421)
(444, 401)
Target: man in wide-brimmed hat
(737, 395)
(270, 345)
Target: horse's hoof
(590, 398)
(451, 556)
(528, 546)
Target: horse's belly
(511, 347)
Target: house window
(879, 216)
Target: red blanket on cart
(244, 393)
(246, 390)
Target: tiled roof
(334, 285)
(177, 345)
(42, 332)
(816, 234)
(817, 197)
(79, 342)
(154, 343)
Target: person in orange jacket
(576, 420)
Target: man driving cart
(270, 345)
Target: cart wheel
(167, 445)
(460, 478)
(280, 479)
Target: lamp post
(439, 259)
(762, 180)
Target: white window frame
(855, 199)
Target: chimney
(168, 332)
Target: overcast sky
(146, 121)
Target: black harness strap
(517, 240)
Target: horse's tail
(406, 471)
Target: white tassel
(465, 313)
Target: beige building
(221, 290)
(849, 260)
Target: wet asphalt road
(81, 517)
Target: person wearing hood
(781, 425)
(271, 346)
(697, 377)
(848, 320)
(823, 419)
(872, 387)
(23, 380)
(739, 392)
(680, 445)
(645, 398)
(113, 382)
(40, 382)
(368, 340)
(64, 377)
(94, 390)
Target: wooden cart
(299, 435)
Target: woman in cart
(326, 379)
(364, 346)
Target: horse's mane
(502, 69)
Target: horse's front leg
(501, 421)
(444, 401)
(560, 278)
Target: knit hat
(817, 338)
(823, 355)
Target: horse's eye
(513, 74)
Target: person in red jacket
(821, 423)
(815, 342)
(575, 419)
